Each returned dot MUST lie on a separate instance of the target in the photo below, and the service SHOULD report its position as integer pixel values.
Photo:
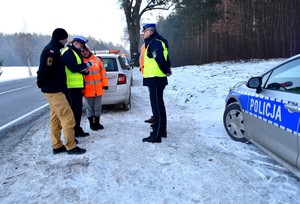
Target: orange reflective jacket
(142, 52)
(96, 78)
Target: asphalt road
(19, 99)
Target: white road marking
(24, 116)
(24, 87)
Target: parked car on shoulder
(265, 110)
(119, 79)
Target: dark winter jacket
(51, 75)
(154, 45)
(70, 59)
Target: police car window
(285, 78)
(125, 60)
(122, 63)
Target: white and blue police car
(265, 111)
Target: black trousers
(159, 111)
(75, 100)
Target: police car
(265, 111)
(119, 79)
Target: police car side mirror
(255, 83)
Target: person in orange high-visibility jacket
(95, 83)
(142, 52)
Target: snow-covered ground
(197, 163)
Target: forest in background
(204, 31)
(199, 32)
(24, 49)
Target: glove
(90, 63)
(167, 72)
(85, 71)
(152, 54)
(105, 87)
(149, 54)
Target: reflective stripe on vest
(151, 68)
(74, 79)
(93, 82)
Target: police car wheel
(127, 105)
(234, 122)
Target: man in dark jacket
(51, 79)
(156, 69)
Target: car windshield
(285, 77)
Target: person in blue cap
(157, 67)
(75, 69)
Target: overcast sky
(101, 19)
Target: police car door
(277, 111)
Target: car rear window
(110, 64)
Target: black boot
(93, 125)
(76, 150)
(97, 123)
(150, 120)
(81, 133)
(152, 139)
(59, 150)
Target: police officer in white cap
(156, 69)
(75, 68)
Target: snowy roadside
(197, 163)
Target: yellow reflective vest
(74, 79)
(151, 68)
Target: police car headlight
(237, 85)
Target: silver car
(265, 111)
(119, 80)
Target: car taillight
(121, 79)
